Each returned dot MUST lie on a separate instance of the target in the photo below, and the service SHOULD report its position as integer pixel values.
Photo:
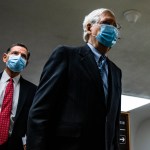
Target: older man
(77, 103)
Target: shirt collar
(5, 77)
(97, 55)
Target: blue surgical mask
(16, 63)
(108, 35)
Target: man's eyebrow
(14, 51)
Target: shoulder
(114, 66)
(67, 49)
(27, 83)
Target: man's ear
(5, 57)
(88, 28)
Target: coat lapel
(90, 65)
(22, 98)
(111, 80)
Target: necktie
(103, 72)
(5, 112)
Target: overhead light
(132, 15)
(129, 102)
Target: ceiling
(42, 25)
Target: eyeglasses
(117, 25)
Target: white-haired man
(77, 103)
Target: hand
(24, 147)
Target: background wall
(142, 136)
(140, 128)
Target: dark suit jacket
(69, 111)
(27, 91)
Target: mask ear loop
(119, 28)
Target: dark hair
(19, 44)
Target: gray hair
(92, 18)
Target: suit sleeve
(43, 111)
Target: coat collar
(22, 97)
(89, 63)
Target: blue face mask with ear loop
(16, 63)
(108, 35)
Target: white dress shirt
(3, 83)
